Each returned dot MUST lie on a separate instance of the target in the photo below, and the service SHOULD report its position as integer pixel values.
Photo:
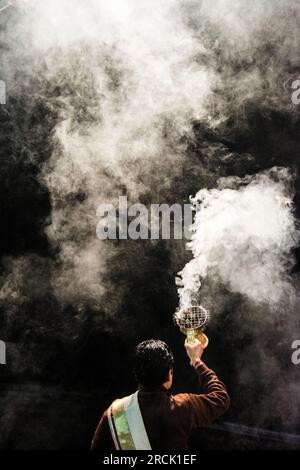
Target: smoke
(154, 100)
(126, 81)
(243, 237)
(125, 97)
(243, 243)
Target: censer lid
(194, 317)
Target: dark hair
(153, 360)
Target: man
(152, 418)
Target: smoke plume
(155, 100)
(244, 234)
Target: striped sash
(127, 425)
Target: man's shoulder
(180, 399)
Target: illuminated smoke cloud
(243, 237)
(156, 100)
(126, 82)
(128, 90)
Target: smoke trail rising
(125, 97)
(244, 234)
(126, 82)
(155, 100)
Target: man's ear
(168, 383)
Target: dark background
(64, 364)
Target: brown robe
(169, 419)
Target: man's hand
(194, 351)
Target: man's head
(154, 364)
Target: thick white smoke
(243, 236)
(127, 80)
(130, 89)
(147, 98)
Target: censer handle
(202, 338)
(190, 336)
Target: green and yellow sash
(126, 424)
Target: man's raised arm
(214, 401)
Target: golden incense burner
(192, 321)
